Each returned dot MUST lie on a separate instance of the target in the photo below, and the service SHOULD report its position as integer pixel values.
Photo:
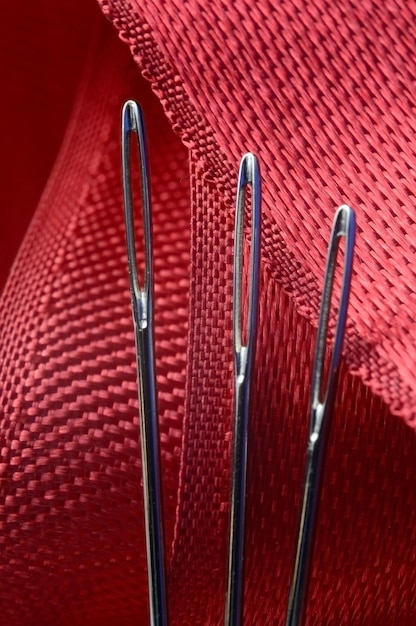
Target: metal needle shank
(322, 407)
(243, 360)
(142, 306)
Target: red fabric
(320, 93)
(40, 69)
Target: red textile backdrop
(323, 93)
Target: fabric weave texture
(323, 93)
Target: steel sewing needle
(322, 406)
(243, 360)
(142, 306)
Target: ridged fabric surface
(323, 94)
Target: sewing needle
(142, 307)
(322, 406)
(243, 360)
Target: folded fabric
(322, 93)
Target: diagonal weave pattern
(320, 92)
(71, 505)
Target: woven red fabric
(319, 90)
(320, 93)
(71, 531)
